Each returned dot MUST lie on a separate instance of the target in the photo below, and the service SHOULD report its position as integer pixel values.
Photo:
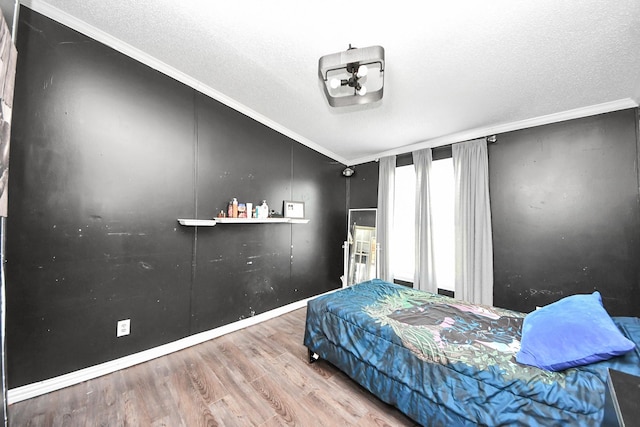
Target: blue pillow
(574, 331)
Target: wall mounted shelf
(197, 222)
(211, 222)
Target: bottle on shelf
(264, 209)
(234, 207)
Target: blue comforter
(445, 362)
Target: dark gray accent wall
(106, 155)
(565, 214)
(363, 186)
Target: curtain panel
(473, 245)
(384, 219)
(424, 276)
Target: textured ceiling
(454, 70)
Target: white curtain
(474, 247)
(384, 221)
(424, 278)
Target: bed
(445, 362)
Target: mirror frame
(348, 244)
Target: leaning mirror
(361, 246)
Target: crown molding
(577, 113)
(74, 23)
(94, 33)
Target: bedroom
(104, 213)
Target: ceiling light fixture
(355, 76)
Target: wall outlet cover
(123, 328)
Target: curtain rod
(491, 139)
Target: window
(442, 209)
(403, 257)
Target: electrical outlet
(124, 327)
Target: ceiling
(455, 70)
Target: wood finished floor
(258, 376)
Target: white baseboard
(39, 388)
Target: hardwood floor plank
(204, 381)
(144, 393)
(257, 344)
(235, 359)
(272, 394)
(258, 376)
(230, 412)
(259, 349)
(295, 375)
(190, 405)
(243, 409)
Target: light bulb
(334, 83)
(362, 91)
(363, 71)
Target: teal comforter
(445, 362)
